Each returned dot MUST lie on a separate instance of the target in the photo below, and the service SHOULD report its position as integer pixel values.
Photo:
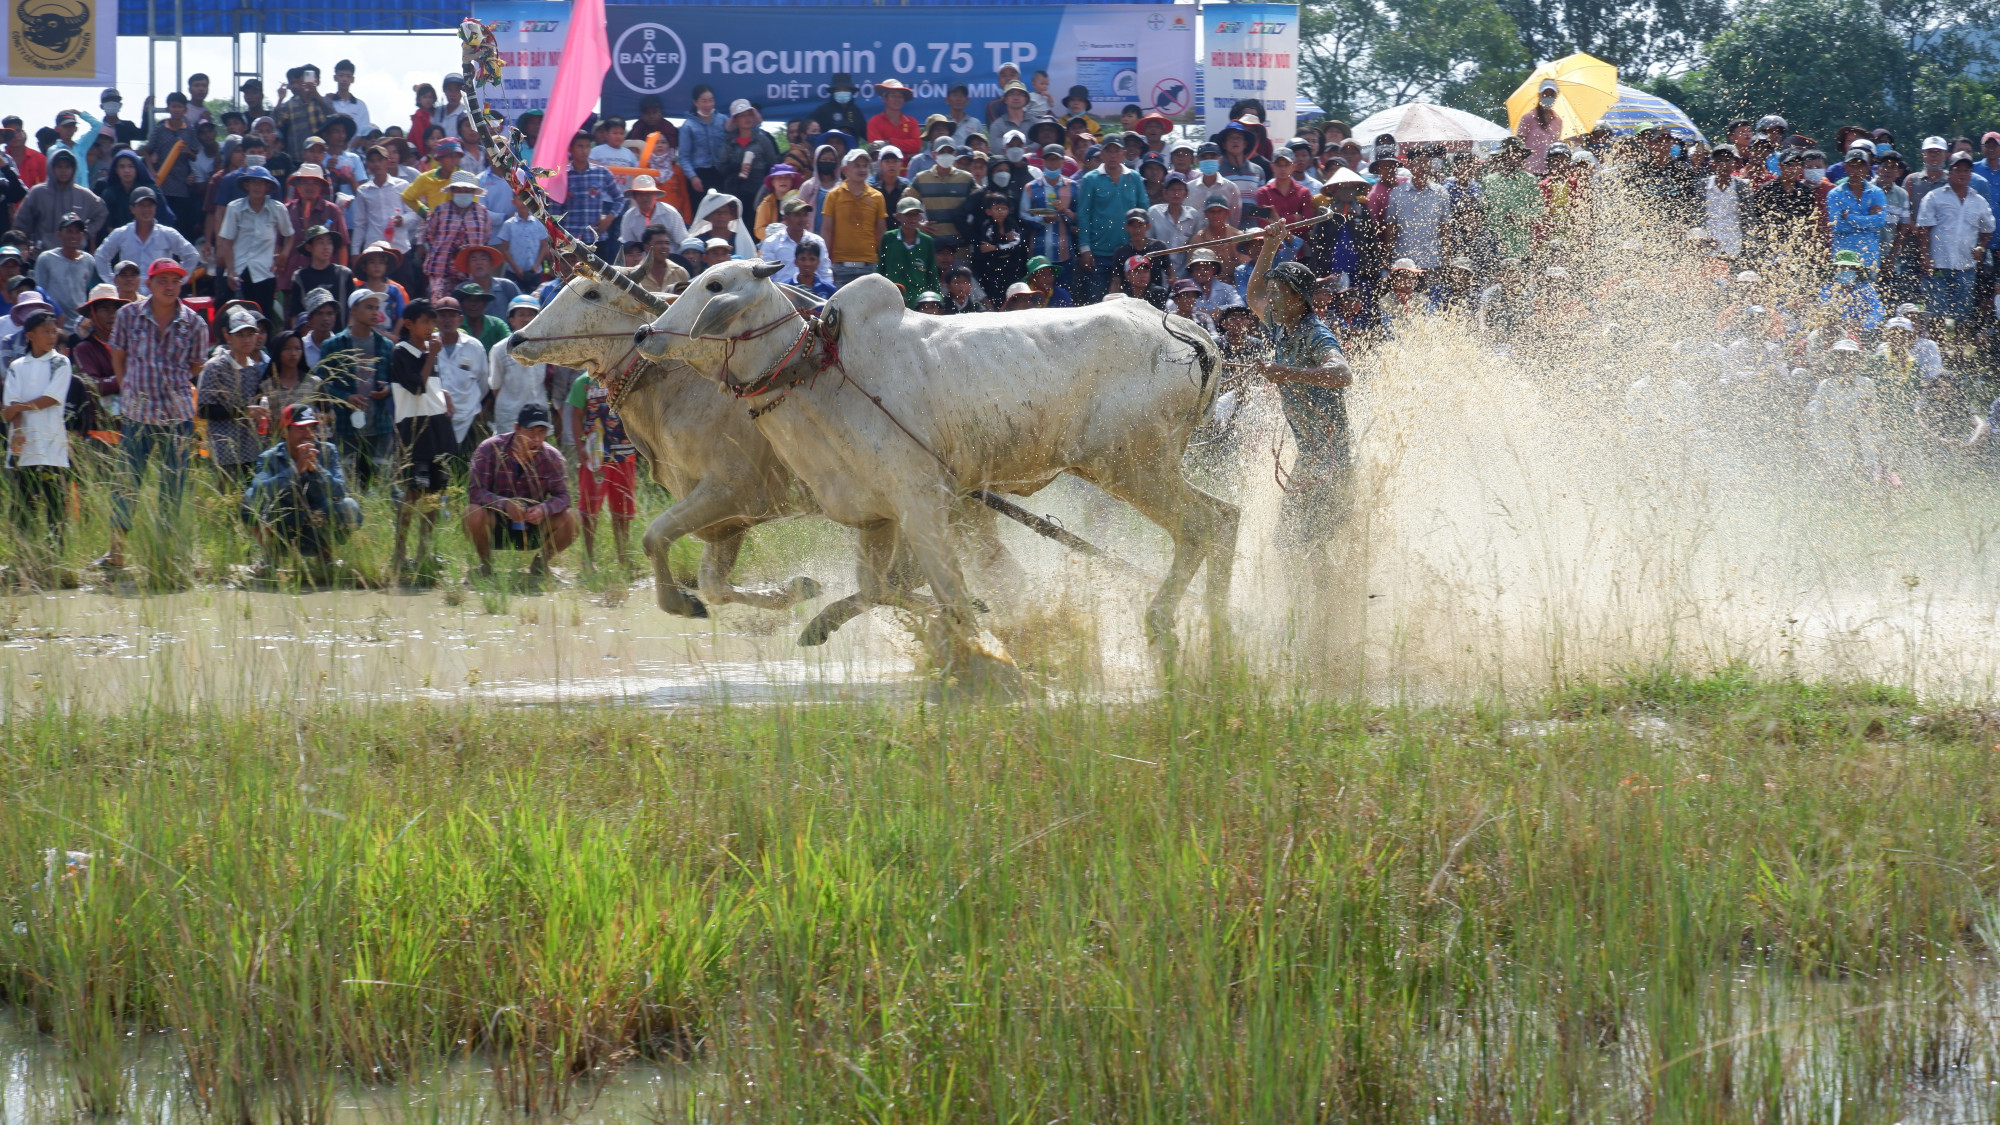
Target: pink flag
(579, 78)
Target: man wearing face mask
(1049, 199)
(944, 188)
(127, 133)
(1209, 182)
(838, 111)
(453, 227)
(1669, 182)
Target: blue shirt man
(1856, 221)
(1104, 195)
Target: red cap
(1990, 138)
(1138, 261)
(166, 265)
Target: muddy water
(218, 645)
(35, 1089)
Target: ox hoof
(821, 628)
(803, 589)
(680, 603)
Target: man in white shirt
(1953, 223)
(646, 210)
(143, 239)
(461, 367)
(1417, 216)
(65, 274)
(31, 404)
(379, 213)
(255, 235)
(783, 239)
(1174, 222)
(344, 101)
(1209, 182)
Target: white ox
(704, 450)
(701, 445)
(920, 410)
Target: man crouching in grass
(520, 494)
(298, 500)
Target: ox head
(589, 323)
(714, 326)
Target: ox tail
(1207, 357)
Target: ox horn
(636, 291)
(767, 269)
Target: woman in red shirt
(892, 126)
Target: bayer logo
(649, 58)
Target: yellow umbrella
(1585, 88)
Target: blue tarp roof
(301, 17)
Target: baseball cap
(740, 105)
(242, 320)
(793, 205)
(1187, 285)
(446, 304)
(1990, 139)
(1901, 322)
(454, 79)
(72, 219)
(532, 414)
(930, 297)
(903, 206)
(40, 314)
(164, 266)
(1138, 213)
(1935, 143)
(360, 295)
(1020, 289)
(470, 290)
(943, 144)
(1138, 262)
(1958, 158)
(142, 195)
(298, 414)
(717, 244)
(448, 146)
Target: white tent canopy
(1426, 123)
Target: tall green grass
(1664, 899)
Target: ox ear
(767, 269)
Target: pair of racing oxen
(753, 401)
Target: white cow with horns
(891, 416)
(702, 447)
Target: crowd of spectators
(187, 280)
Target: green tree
(1358, 56)
(1827, 63)
(1640, 38)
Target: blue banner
(783, 57)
